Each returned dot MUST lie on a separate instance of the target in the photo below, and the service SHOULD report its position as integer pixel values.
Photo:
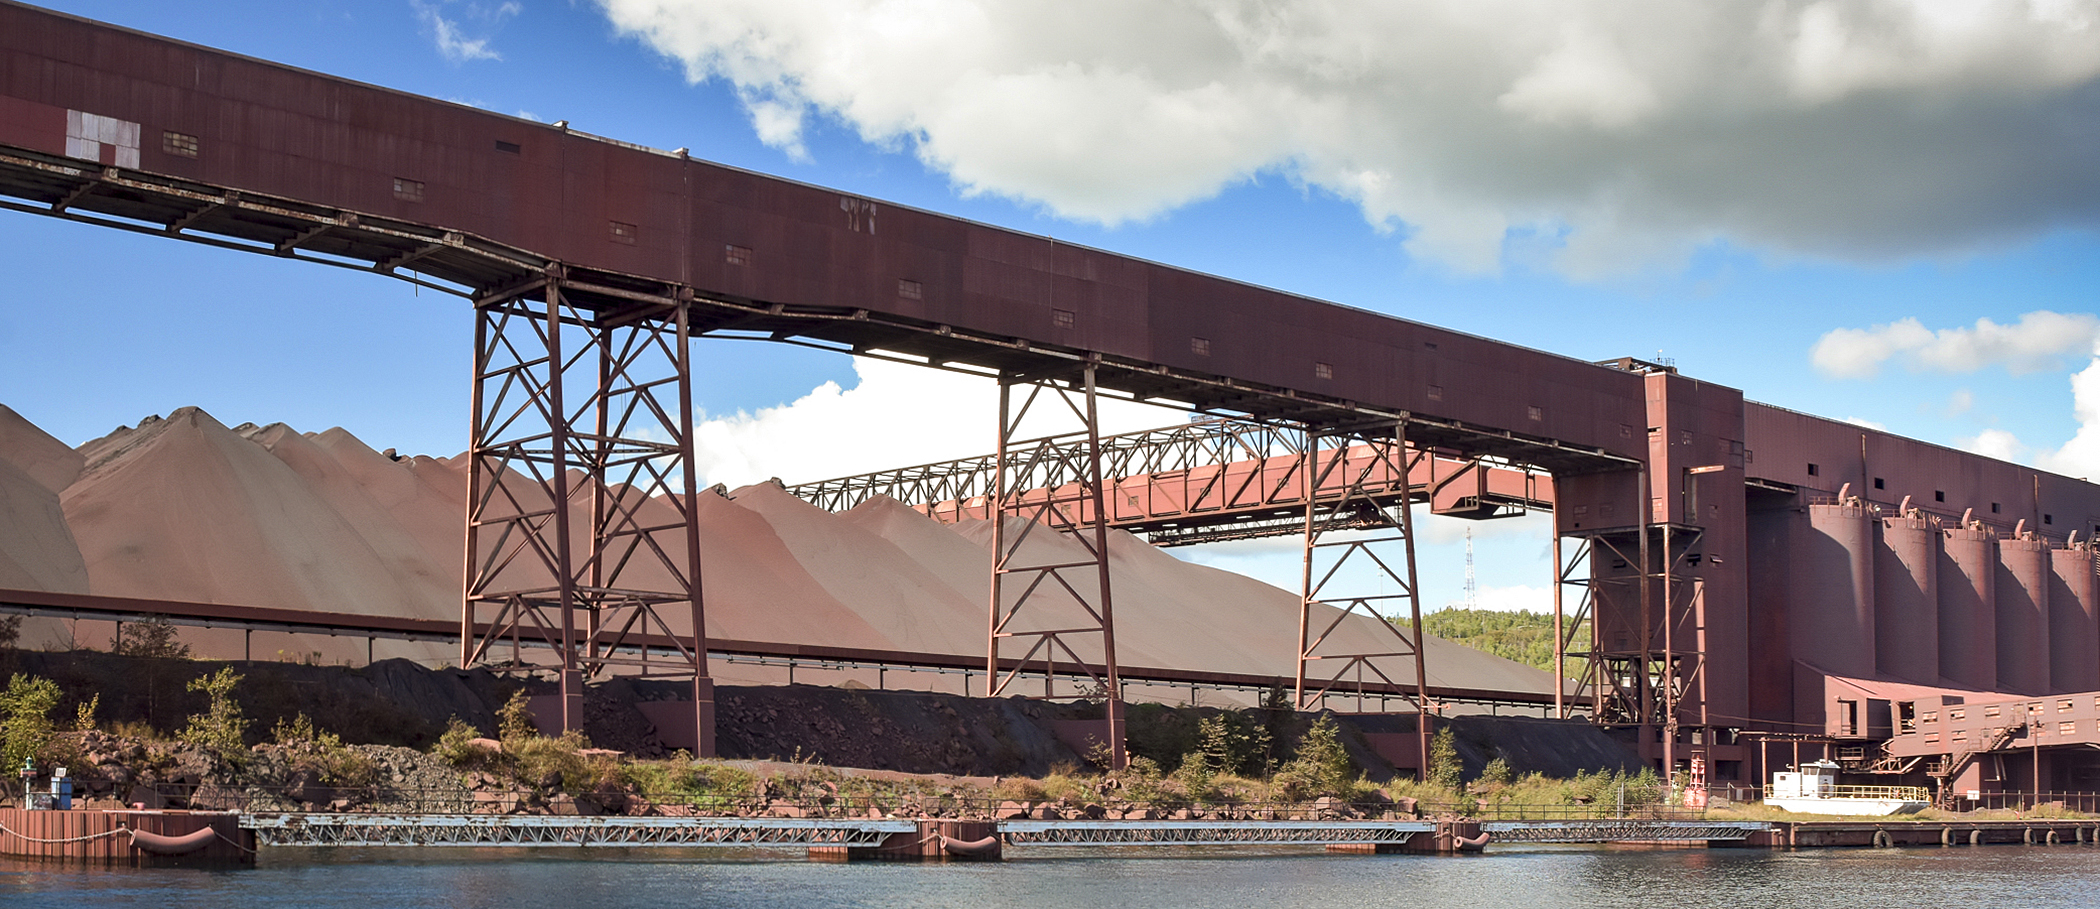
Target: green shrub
(514, 719)
(1496, 774)
(84, 714)
(221, 727)
(683, 780)
(323, 754)
(554, 765)
(1445, 771)
(1321, 760)
(1019, 789)
(454, 746)
(25, 718)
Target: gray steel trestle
(1208, 833)
(1619, 830)
(535, 830)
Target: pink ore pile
(185, 508)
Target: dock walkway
(319, 829)
(109, 835)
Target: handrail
(1906, 793)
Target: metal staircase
(1945, 774)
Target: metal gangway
(1209, 833)
(318, 829)
(1622, 830)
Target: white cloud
(1857, 353)
(1994, 443)
(1583, 82)
(1853, 129)
(1870, 424)
(880, 423)
(2079, 457)
(2038, 341)
(450, 33)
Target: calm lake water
(2049, 878)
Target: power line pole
(1472, 589)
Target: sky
(1872, 210)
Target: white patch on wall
(89, 136)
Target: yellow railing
(1906, 793)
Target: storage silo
(1906, 599)
(2025, 570)
(2074, 622)
(1831, 619)
(1969, 607)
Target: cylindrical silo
(1969, 607)
(2074, 622)
(1906, 599)
(2024, 573)
(1831, 616)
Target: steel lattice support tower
(1064, 590)
(1362, 531)
(580, 530)
(1645, 614)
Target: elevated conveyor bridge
(1208, 480)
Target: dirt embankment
(396, 702)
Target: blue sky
(1609, 197)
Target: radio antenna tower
(1472, 589)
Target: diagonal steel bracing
(1199, 482)
(1050, 571)
(580, 534)
(1360, 561)
(1571, 572)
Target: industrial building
(1756, 580)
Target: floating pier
(319, 829)
(231, 838)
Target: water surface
(1525, 878)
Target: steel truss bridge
(1210, 833)
(1622, 830)
(534, 830)
(1204, 481)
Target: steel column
(1048, 578)
(1560, 650)
(583, 401)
